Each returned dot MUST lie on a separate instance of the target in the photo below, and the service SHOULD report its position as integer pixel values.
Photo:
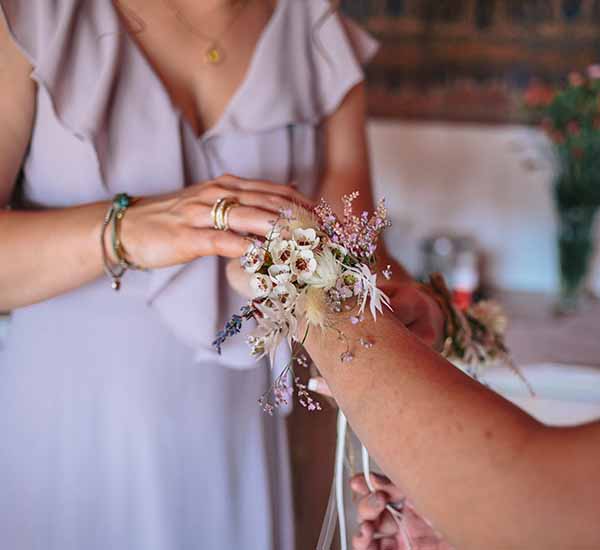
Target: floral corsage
(312, 267)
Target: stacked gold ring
(220, 212)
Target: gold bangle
(118, 248)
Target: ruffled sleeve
(340, 51)
(306, 62)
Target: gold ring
(214, 213)
(227, 208)
(220, 213)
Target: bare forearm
(472, 462)
(46, 253)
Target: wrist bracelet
(122, 203)
(114, 215)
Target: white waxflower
(280, 273)
(261, 285)
(281, 251)
(303, 264)
(305, 239)
(284, 294)
(253, 259)
(327, 272)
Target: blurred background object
(571, 117)
(457, 258)
(472, 60)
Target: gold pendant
(214, 55)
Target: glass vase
(575, 252)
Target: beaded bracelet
(115, 214)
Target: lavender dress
(120, 428)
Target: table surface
(535, 335)
(559, 357)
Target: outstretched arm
(486, 474)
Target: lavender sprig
(232, 327)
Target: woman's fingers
(380, 483)
(363, 540)
(249, 220)
(389, 543)
(417, 311)
(319, 385)
(246, 220)
(271, 196)
(387, 525)
(210, 242)
(238, 279)
(370, 507)
(265, 187)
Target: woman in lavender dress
(120, 428)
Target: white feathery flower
(303, 264)
(305, 239)
(261, 285)
(312, 305)
(327, 272)
(281, 251)
(376, 298)
(269, 333)
(253, 259)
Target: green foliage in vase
(571, 118)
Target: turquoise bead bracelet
(121, 202)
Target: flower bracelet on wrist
(114, 216)
(473, 337)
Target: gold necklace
(214, 53)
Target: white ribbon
(336, 498)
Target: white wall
(490, 182)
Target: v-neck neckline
(235, 97)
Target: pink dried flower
(305, 398)
(358, 234)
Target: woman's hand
(177, 228)
(378, 530)
(416, 310)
